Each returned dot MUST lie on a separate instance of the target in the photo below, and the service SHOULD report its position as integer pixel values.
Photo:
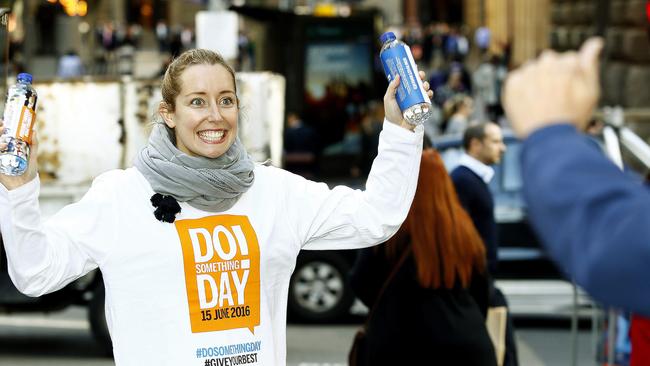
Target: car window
(512, 169)
(451, 156)
(506, 186)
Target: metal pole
(611, 336)
(595, 327)
(614, 119)
(574, 326)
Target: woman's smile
(212, 136)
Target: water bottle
(397, 59)
(19, 116)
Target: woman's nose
(215, 112)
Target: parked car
(319, 290)
(531, 282)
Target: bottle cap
(388, 36)
(26, 77)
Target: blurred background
(311, 86)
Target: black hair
(475, 131)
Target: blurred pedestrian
(482, 37)
(175, 42)
(483, 145)
(70, 66)
(457, 112)
(427, 286)
(462, 46)
(590, 216)
(105, 58)
(132, 35)
(187, 38)
(453, 86)
(196, 243)
(300, 146)
(246, 54)
(298, 137)
(370, 130)
(485, 82)
(428, 45)
(108, 36)
(451, 44)
(162, 36)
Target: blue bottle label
(398, 60)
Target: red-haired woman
(433, 311)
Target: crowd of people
(465, 73)
(115, 46)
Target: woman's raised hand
(391, 108)
(13, 182)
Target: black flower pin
(166, 207)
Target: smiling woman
(200, 97)
(204, 112)
(200, 114)
(209, 265)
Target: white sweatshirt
(211, 288)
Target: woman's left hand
(391, 109)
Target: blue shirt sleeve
(593, 219)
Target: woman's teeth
(211, 136)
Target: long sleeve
(44, 257)
(344, 218)
(593, 219)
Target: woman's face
(206, 113)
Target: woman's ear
(166, 114)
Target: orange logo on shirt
(221, 258)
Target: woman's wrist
(407, 125)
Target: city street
(64, 339)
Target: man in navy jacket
(593, 219)
(483, 144)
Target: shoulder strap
(388, 281)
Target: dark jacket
(418, 326)
(593, 219)
(476, 198)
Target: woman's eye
(227, 102)
(197, 101)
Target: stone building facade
(626, 60)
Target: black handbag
(359, 345)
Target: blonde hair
(171, 82)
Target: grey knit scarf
(212, 185)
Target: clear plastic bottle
(397, 59)
(19, 116)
